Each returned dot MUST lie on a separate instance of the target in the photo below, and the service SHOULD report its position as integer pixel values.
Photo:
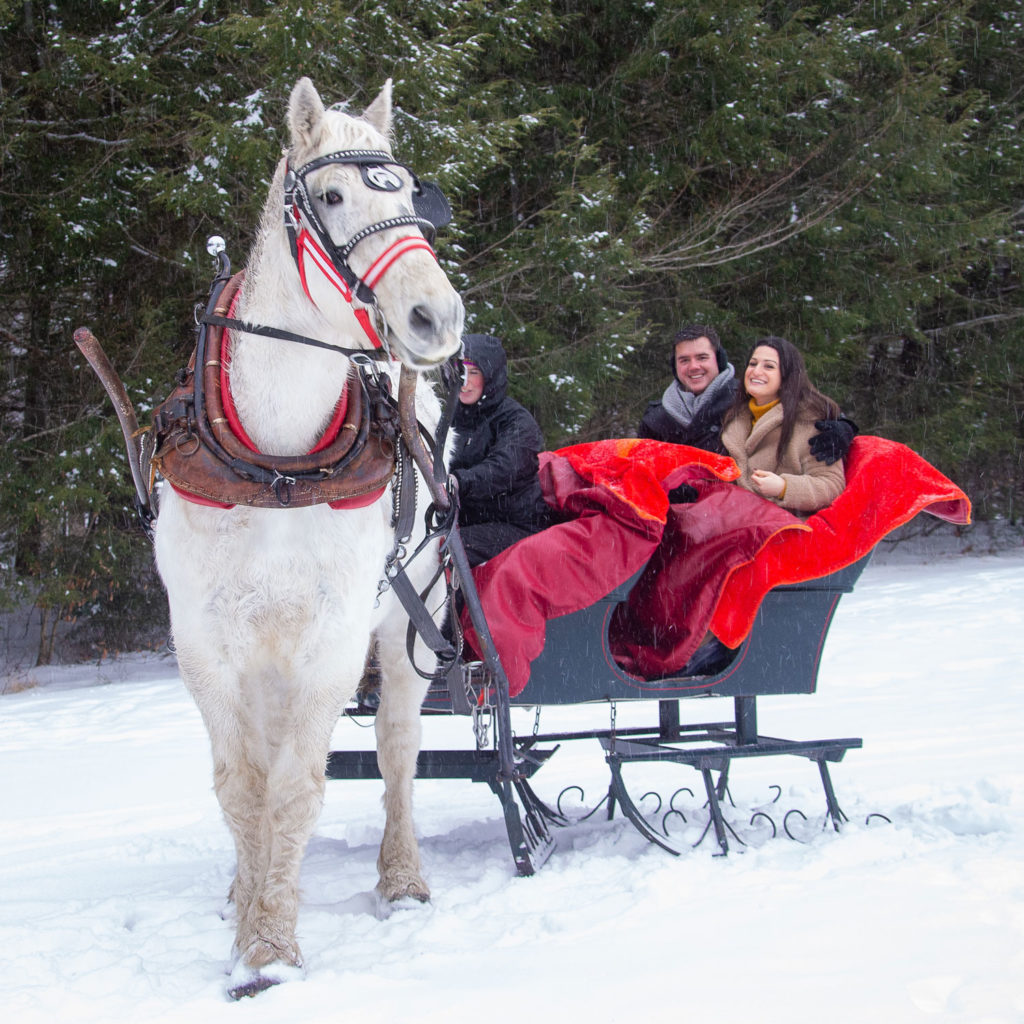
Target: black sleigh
(779, 653)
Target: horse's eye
(332, 198)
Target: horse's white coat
(272, 611)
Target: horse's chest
(292, 553)
(260, 572)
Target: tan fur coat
(810, 484)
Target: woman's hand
(768, 485)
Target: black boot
(709, 659)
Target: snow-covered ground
(114, 860)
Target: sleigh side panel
(781, 655)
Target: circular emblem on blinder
(380, 178)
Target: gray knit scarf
(683, 405)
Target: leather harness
(203, 453)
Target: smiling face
(472, 385)
(763, 378)
(696, 364)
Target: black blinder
(378, 177)
(428, 202)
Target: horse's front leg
(292, 804)
(266, 932)
(239, 770)
(398, 731)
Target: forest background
(846, 174)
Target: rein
(213, 320)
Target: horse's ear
(378, 113)
(305, 113)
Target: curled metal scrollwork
(657, 796)
(671, 812)
(593, 810)
(785, 823)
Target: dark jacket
(705, 431)
(496, 445)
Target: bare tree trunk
(49, 619)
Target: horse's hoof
(246, 982)
(421, 894)
(253, 987)
(403, 887)
(384, 908)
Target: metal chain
(481, 725)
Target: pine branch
(84, 137)
(993, 318)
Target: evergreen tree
(846, 174)
(131, 132)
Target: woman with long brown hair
(768, 428)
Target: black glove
(834, 439)
(684, 494)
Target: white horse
(273, 610)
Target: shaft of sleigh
(503, 714)
(90, 347)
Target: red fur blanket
(706, 564)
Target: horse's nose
(422, 322)
(435, 322)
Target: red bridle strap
(396, 250)
(308, 246)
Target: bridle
(312, 246)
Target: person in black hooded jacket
(494, 456)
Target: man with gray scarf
(703, 387)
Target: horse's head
(357, 223)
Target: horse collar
(205, 454)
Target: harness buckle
(283, 488)
(291, 222)
(366, 364)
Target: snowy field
(114, 861)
